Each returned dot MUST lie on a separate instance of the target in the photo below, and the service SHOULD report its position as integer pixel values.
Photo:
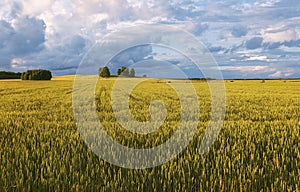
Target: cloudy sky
(248, 38)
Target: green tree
(125, 73)
(132, 72)
(104, 72)
(123, 68)
(119, 71)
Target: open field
(258, 148)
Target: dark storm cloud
(175, 62)
(76, 44)
(239, 31)
(26, 37)
(199, 29)
(20, 40)
(4, 63)
(216, 49)
(6, 32)
(275, 45)
(131, 56)
(292, 43)
(63, 58)
(16, 9)
(272, 45)
(254, 43)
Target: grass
(257, 149)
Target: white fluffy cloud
(36, 7)
(281, 35)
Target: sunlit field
(258, 148)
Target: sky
(247, 38)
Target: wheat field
(258, 148)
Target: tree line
(122, 72)
(38, 74)
(9, 75)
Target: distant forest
(9, 75)
(37, 74)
